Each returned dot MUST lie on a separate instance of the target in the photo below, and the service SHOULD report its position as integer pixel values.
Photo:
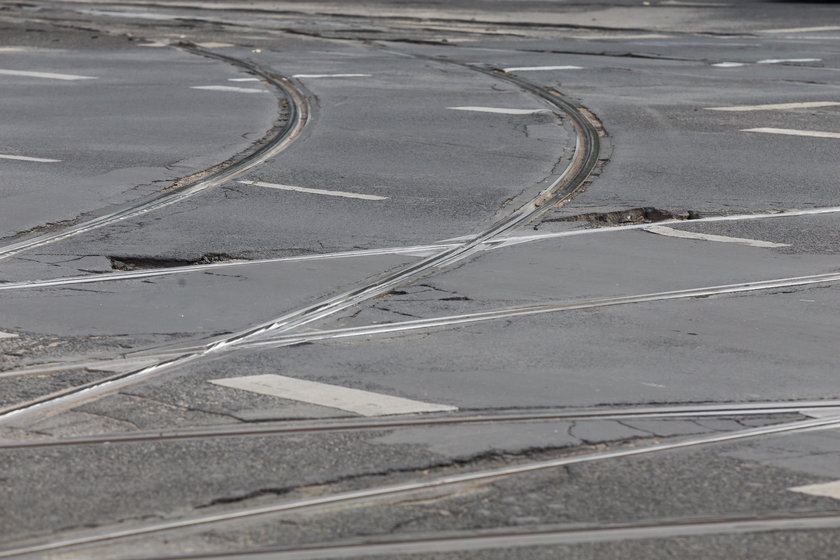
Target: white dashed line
(818, 412)
(26, 158)
(792, 132)
(331, 76)
(728, 64)
(45, 75)
(670, 232)
(826, 489)
(243, 79)
(332, 396)
(783, 60)
(212, 45)
(500, 110)
(541, 68)
(7, 335)
(776, 106)
(803, 29)
(229, 88)
(313, 191)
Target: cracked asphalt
(481, 279)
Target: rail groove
(402, 490)
(717, 410)
(269, 146)
(563, 186)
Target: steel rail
(502, 241)
(717, 410)
(271, 146)
(508, 537)
(168, 271)
(563, 186)
(405, 489)
(525, 311)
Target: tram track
(563, 185)
(272, 144)
(398, 491)
(507, 537)
(500, 242)
(465, 418)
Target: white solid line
(728, 64)
(332, 396)
(827, 489)
(7, 335)
(541, 68)
(243, 79)
(47, 75)
(670, 232)
(500, 110)
(229, 88)
(802, 29)
(783, 60)
(313, 191)
(792, 132)
(776, 106)
(26, 158)
(331, 76)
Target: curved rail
(562, 187)
(269, 146)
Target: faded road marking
(792, 132)
(46, 75)
(243, 79)
(783, 60)
(7, 335)
(776, 106)
(331, 76)
(332, 396)
(670, 232)
(229, 88)
(802, 29)
(500, 110)
(26, 158)
(819, 412)
(314, 191)
(541, 68)
(826, 489)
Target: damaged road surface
(477, 280)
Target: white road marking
(46, 75)
(313, 191)
(783, 60)
(728, 64)
(365, 403)
(825, 489)
(331, 76)
(500, 110)
(670, 232)
(802, 29)
(776, 106)
(212, 45)
(541, 68)
(792, 132)
(229, 88)
(819, 412)
(26, 158)
(155, 44)
(243, 79)
(7, 335)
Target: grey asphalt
(648, 76)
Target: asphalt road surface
(399, 279)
